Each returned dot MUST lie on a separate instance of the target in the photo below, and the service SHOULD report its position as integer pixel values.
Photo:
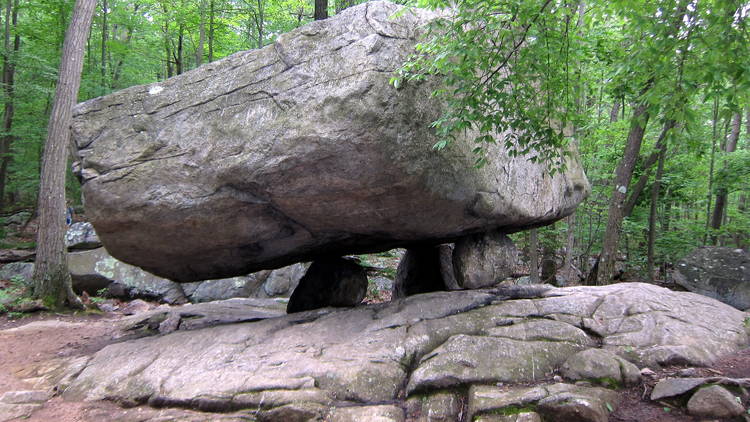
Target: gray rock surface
(329, 281)
(420, 344)
(555, 402)
(601, 367)
(299, 149)
(382, 413)
(95, 269)
(19, 270)
(440, 407)
(484, 259)
(82, 235)
(717, 272)
(714, 402)
(671, 387)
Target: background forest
(690, 181)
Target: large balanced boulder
(718, 272)
(297, 150)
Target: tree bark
(534, 256)
(721, 193)
(321, 10)
(623, 174)
(615, 111)
(640, 185)
(211, 11)
(104, 49)
(652, 212)
(201, 34)
(569, 246)
(51, 278)
(8, 80)
(549, 261)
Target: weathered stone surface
(25, 397)
(519, 417)
(296, 150)
(717, 272)
(200, 315)
(13, 411)
(372, 353)
(484, 259)
(714, 402)
(82, 235)
(445, 251)
(602, 367)
(440, 407)
(95, 269)
(329, 282)
(382, 413)
(420, 270)
(294, 412)
(558, 402)
(17, 270)
(578, 404)
(670, 387)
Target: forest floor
(39, 339)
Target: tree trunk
(321, 10)
(201, 34)
(721, 193)
(104, 48)
(8, 80)
(534, 256)
(652, 212)
(180, 41)
(210, 31)
(709, 195)
(623, 174)
(569, 246)
(52, 281)
(549, 261)
(640, 185)
(615, 111)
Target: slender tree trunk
(104, 48)
(260, 17)
(201, 34)
(321, 10)
(534, 256)
(569, 246)
(623, 174)
(179, 60)
(549, 261)
(714, 135)
(8, 80)
(210, 31)
(640, 185)
(721, 193)
(52, 281)
(615, 111)
(652, 212)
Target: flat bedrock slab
(299, 149)
(423, 343)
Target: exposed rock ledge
(314, 361)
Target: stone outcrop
(423, 269)
(718, 272)
(293, 151)
(427, 349)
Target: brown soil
(29, 343)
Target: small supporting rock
(484, 259)
(331, 281)
(419, 272)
